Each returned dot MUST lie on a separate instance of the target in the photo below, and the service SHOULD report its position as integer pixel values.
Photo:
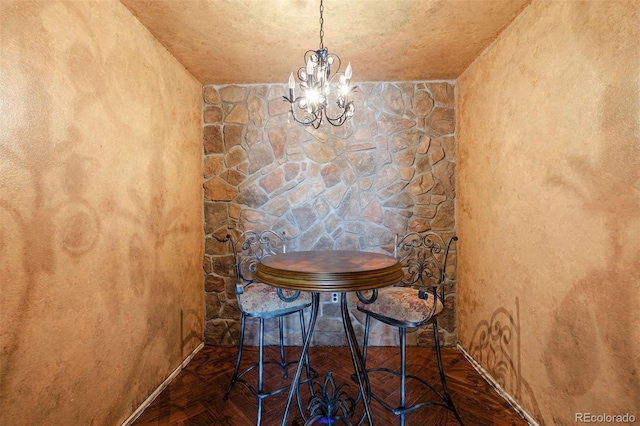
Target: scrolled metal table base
(329, 404)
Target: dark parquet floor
(194, 397)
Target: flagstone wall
(391, 170)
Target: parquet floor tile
(194, 397)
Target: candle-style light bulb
(310, 68)
(292, 85)
(347, 72)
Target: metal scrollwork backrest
(424, 259)
(251, 247)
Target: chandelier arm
(333, 55)
(302, 71)
(308, 54)
(339, 120)
(307, 120)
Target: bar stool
(416, 301)
(262, 301)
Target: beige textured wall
(548, 209)
(100, 213)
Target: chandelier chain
(321, 26)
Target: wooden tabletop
(329, 270)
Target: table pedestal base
(330, 404)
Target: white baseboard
(485, 374)
(132, 418)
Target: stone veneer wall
(391, 170)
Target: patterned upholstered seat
(259, 299)
(403, 304)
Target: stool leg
(283, 363)
(260, 370)
(235, 371)
(436, 340)
(403, 371)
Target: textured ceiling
(262, 41)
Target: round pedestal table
(330, 271)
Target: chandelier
(322, 100)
